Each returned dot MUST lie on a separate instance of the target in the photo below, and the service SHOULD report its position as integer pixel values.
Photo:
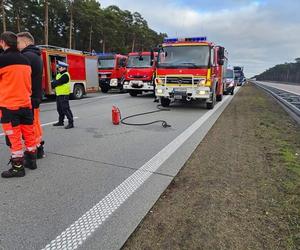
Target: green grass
(278, 129)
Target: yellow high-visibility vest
(65, 88)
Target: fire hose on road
(117, 118)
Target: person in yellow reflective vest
(62, 86)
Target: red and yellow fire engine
(140, 72)
(190, 69)
(111, 71)
(83, 69)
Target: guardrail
(289, 100)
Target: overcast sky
(257, 34)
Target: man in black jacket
(62, 86)
(33, 54)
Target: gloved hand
(35, 102)
(53, 84)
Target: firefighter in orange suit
(33, 54)
(15, 106)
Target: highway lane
(295, 89)
(84, 165)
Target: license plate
(179, 90)
(103, 76)
(138, 83)
(178, 97)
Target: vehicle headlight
(202, 92)
(201, 82)
(126, 83)
(159, 91)
(159, 81)
(114, 81)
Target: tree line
(79, 24)
(287, 72)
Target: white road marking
(48, 123)
(80, 230)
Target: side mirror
(152, 58)
(221, 53)
(221, 61)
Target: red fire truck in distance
(83, 69)
(140, 72)
(190, 69)
(111, 69)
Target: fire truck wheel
(165, 102)
(78, 92)
(133, 93)
(212, 104)
(104, 89)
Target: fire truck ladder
(65, 50)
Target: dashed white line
(80, 230)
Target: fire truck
(111, 69)
(190, 69)
(82, 68)
(140, 72)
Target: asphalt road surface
(295, 89)
(98, 180)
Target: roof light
(170, 40)
(196, 39)
(189, 39)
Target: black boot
(17, 169)
(58, 124)
(30, 160)
(70, 125)
(40, 151)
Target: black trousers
(63, 108)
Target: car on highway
(239, 76)
(230, 82)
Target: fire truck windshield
(139, 62)
(184, 57)
(108, 63)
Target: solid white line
(80, 230)
(48, 123)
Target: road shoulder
(239, 189)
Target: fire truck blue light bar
(170, 40)
(189, 39)
(196, 39)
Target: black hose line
(159, 109)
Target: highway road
(288, 95)
(295, 89)
(98, 180)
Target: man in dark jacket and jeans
(33, 54)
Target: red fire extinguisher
(116, 115)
